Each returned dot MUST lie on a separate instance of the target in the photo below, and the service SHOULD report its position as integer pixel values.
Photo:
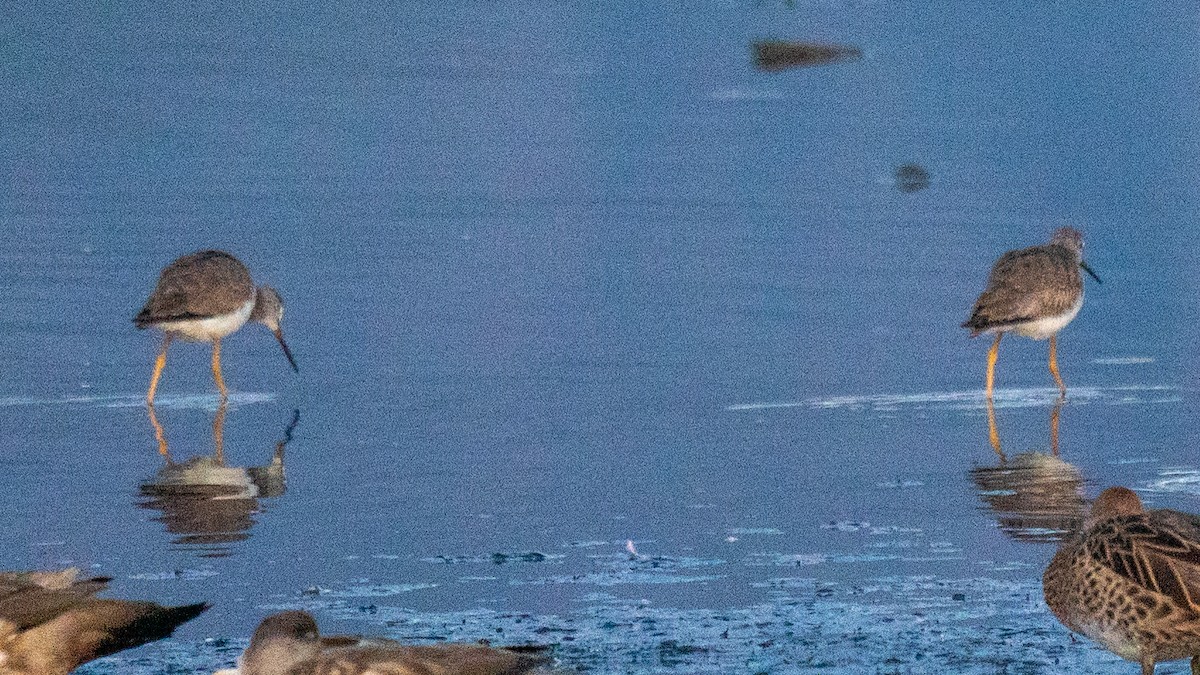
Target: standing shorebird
(203, 297)
(1033, 292)
(1130, 580)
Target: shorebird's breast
(212, 327)
(1044, 327)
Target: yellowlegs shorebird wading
(1130, 580)
(203, 297)
(1033, 292)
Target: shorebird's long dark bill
(1085, 269)
(286, 352)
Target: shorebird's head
(281, 642)
(1072, 239)
(268, 310)
(1112, 503)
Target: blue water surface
(564, 276)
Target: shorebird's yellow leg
(159, 434)
(1062, 388)
(1054, 415)
(993, 354)
(219, 432)
(159, 364)
(993, 432)
(216, 368)
(1147, 665)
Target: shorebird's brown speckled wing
(1159, 552)
(1027, 284)
(197, 286)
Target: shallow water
(562, 278)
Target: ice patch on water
(753, 531)
(974, 399)
(209, 402)
(374, 590)
(908, 624)
(1121, 461)
(495, 558)
(634, 577)
(175, 575)
(1181, 481)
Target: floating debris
(776, 55)
(911, 178)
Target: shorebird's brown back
(288, 643)
(1027, 284)
(395, 659)
(197, 286)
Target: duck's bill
(286, 352)
(1081, 264)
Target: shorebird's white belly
(211, 328)
(1040, 329)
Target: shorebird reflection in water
(1034, 496)
(204, 297)
(288, 642)
(1131, 581)
(994, 429)
(1034, 292)
(206, 502)
(50, 623)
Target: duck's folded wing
(1159, 552)
(98, 628)
(25, 603)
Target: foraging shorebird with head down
(203, 297)
(1034, 292)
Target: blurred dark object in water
(209, 503)
(911, 178)
(50, 623)
(1035, 497)
(775, 55)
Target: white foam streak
(974, 399)
(176, 402)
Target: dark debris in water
(776, 55)
(911, 178)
